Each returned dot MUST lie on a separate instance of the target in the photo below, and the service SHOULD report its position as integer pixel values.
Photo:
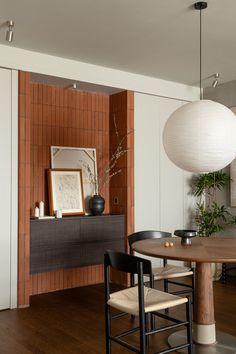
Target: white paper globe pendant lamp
(200, 136)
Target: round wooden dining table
(203, 251)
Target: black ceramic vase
(97, 204)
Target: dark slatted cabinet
(73, 241)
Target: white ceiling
(158, 38)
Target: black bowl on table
(186, 236)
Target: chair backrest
(145, 235)
(127, 263)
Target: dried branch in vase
(111, 169)
(90, 177)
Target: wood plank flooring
(72, 322)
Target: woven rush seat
(171, 271)
(167, 273)
(154, 300)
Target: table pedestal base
(225, 344)
(204, 334)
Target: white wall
(8, 189)
(162, 191)
(5, 187)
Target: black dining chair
(226, 269)
(141, 301)
(167, 272)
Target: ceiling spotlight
(215, 82)
(74, 86)
(9, 34)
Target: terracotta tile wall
(55, 116)
(122, 184)
(64, 279)
(65, 117)
(24, 189)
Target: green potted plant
(211, 217)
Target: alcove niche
(51, 113)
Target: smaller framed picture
(66, 191)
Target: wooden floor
(72, 322)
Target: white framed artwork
(66, 191)
(78, 158)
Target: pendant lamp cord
(200, 5)
(200, 71)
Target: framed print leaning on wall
(66, 191)
(82, 158)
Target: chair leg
(193, 285)
(166, 287)
(108, 329)
(148, 319)
(142, 333)
(152, 322)
(166, 290)
(223, 277)
(189, 326)
(132, 284)
(132, 280)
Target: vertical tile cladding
(122, 184)
(54, 116)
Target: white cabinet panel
(163, 199)
(147, 186)
(5, 186)
(171, 177)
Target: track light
(74, 86)
(9, 33)
(215, 82)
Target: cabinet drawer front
(102, 229)
(74, 242)
(54, 232)
(80, 255)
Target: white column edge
(14, 189)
